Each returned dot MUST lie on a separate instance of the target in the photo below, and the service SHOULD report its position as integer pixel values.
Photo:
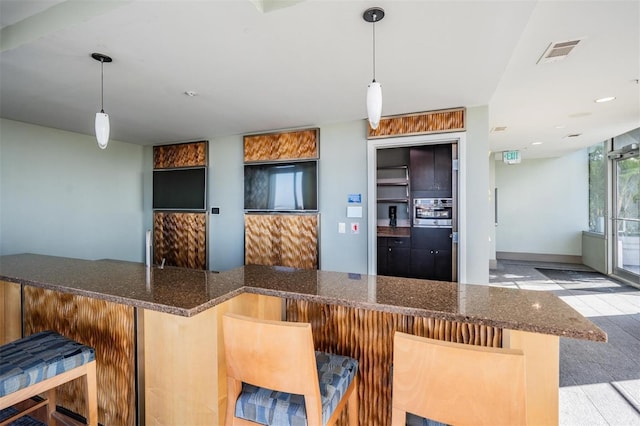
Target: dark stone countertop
(398, 231)
(187, 292)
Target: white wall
(543, 205)
(226, 191)
(343, 171)
(475, 206)
(62, 195)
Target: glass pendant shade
(102, 129)
(374, 104)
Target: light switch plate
(342, 228)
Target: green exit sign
(511, 157)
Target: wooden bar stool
(38, 364)
(456, 384)
(275, 377)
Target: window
(626, 206)
(597, 187)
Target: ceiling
(262, 65)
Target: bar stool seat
(41, 362)
(262, 405)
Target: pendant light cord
(374, 47)
(102, 86)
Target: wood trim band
(108, 328)
(441, 121)
(191, 154)
(368, 337)
(295, 145)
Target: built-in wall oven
(433, 212)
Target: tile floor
(599, 382)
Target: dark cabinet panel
(431, 253)
(442, 265)
(431, 264)
(394, 256)
(431, 171)
(399, 260)
(383, 268)
(436, 238)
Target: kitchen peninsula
(158, 339)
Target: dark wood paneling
(450, 120)
(301, 144)
(180, 155)
(281, 239)
(180, 238)
(368, 337)
(108, 328)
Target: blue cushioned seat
(268, 407)
(40, 356)
(413, 420)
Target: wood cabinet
(431, 171)
(439, 121)
(394, 256)
(431, 254)
(299, 144)
(281, 240)
(180, 237)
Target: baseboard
(538, 257)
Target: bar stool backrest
(456, 383)
(276, 355)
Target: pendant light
(374, 91)
(102, 118)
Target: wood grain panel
(368, 337)
(542, 367)
(11, 313)
(185, 369)
(105, 326)
(180, 238)
(281, 239)
(301, 144)
(180, 155)
(442, 121)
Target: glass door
(626, 217)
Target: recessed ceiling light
(607, 99)
(560, 126)
(191, 93)
(536, 143)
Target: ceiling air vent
(499, 129)
(557, 51)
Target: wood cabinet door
(399, 261)
(431, 250)
(180, 238)
(421, 170)
(442, 268)
(431, 171)
(382, 268)
(422, 263)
